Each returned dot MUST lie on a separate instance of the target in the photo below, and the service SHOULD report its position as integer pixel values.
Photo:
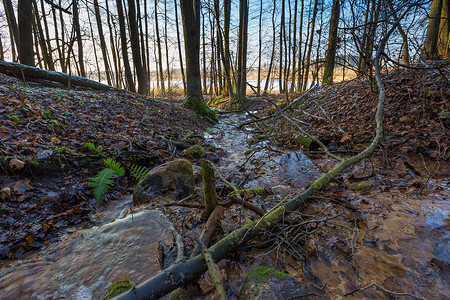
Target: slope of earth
(44, 165)
(416, 114)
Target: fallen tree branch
(390, 293)
(213, 270)
(28, 72)
(183, 272)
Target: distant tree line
(214, 46)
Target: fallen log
(183, 272)
(27, 72)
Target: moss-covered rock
(304, 141)
(196, 151)
(251, 141)
(176, 175)
(267, 283)
(118, 288)
(363, 185)
(247, 152)
(261, 137)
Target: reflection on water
(86, 264)
(267, 167)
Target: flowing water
(403, 242)
(87, 263)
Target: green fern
(91, 147)
(102, 183)
(139, 172)
(115, 166)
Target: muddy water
(403, 237)
(87, 263)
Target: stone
(363, 185)
(176, 175)
(196, 151)
(268, 283)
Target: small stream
(405, 249)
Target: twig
(213, 269)
(383, 289)
(304, 132)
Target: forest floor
(44, 171)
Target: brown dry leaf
(346, 138)
(16, 164)
(5, 193)
(21, 186)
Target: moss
(251, 141)
(304, 141)
(119, 287)
(199, 106)
(262, 272)
(247, 152)
(254, 191)
(261, 137)
(363, 185)
(196, 151)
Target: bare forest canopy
(280, 45)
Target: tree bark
(25, 17)
(13, 29)
(123, 34)
(308, 56)
(158, 44)
(179, 46)
(101, 36)
(76, 25)
(444, 30)
(430, 50)
(332, 44)
(190, 12)
(20, 70)
(135, 48)
(242, 52)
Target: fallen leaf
(16, 164)
(5, 193)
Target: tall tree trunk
(76, 25)
(12, 24)
(405, 46)
(179, 46)
(158, 44)
(242, 51)
(203, 51)
(280, 70)
(226, 39)
(101, 36)
(444, 30)
(430, 50)
(63, 41)
(190, 11)
(308, 56)
(294, 49)
(25, 18)
(258, 84)
(112, 43)
(266, 85)
(47, 36)
(166, 43)
(135, 48)
(332, 44)
(123, 39)
(300, 60)
(223, 48)
(46, 52)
